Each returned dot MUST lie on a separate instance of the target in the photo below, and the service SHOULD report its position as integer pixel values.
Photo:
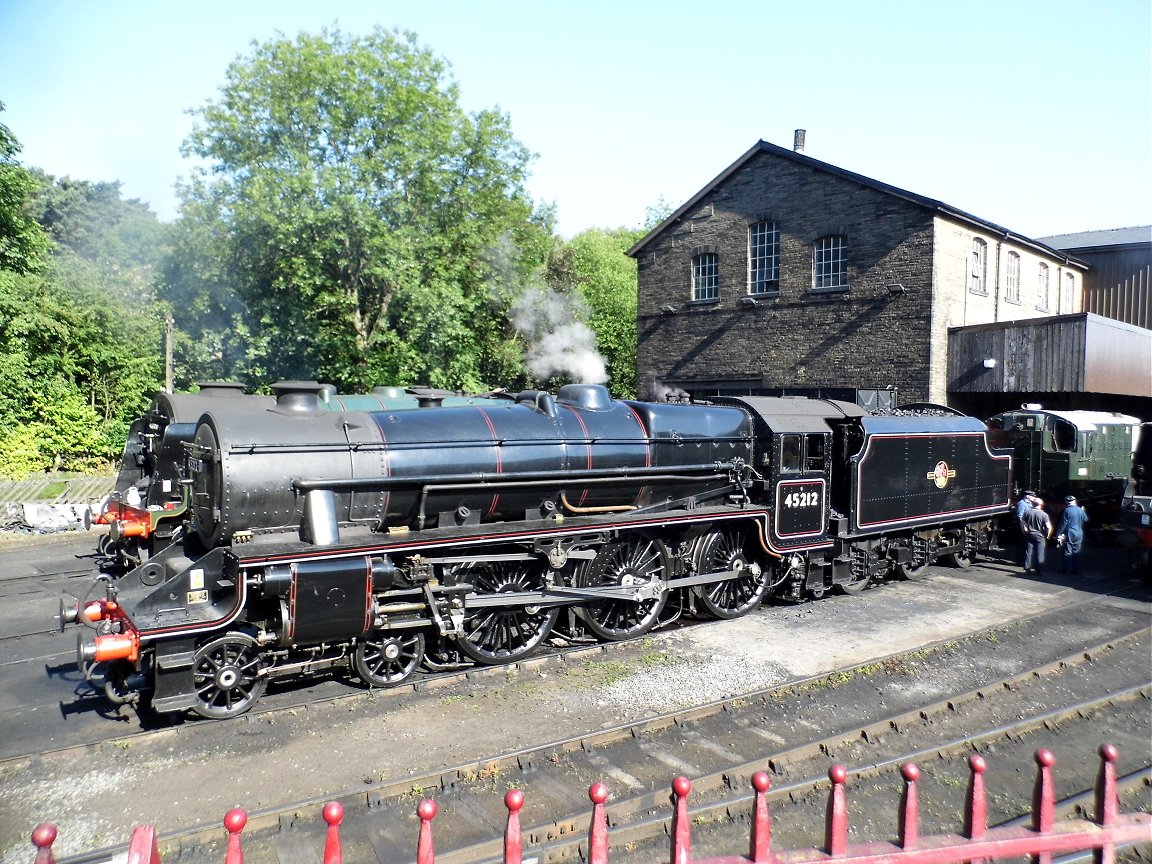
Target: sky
(1031, 114)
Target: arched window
(763, 258)
(978, 267)
(1012, 279)
(1042, 288)
(829, 263)
(1067, 294)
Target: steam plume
(551, 322)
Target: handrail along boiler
(386, 540)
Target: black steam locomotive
(385, 540)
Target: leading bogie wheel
(504, 634)
(727, 550)
(228, 676)
(387, 658)
(636, 564)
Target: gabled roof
(1140, 235)
(920, 200)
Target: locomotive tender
(384, 540)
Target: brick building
(787, 275)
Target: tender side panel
(926, 474)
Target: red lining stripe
(587, 445)
(499, 458)
(647, 449)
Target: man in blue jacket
(1022, 507)
(1070, 535)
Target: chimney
(798, 141)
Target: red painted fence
(1044, 838)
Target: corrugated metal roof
(1093, 239)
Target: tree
(92, 221)
(351, 206)
(594, 263)
(23, 243)
(79, 334)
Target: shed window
(829, 263)
(1012, 279)
(706, 276)
(1067, 293)
(763, 258)
(1042, 289)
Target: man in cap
(1022, 507)
(1038, 529)
(1071, 535)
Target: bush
(20, 453)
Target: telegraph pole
(169, 321)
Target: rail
(1040, 840)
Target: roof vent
(798, 140)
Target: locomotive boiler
(149, 502)
(386, 540)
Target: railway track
(874, 716)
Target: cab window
(1064, 436)
(814, 454)
(789, 452)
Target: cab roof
(795, 413)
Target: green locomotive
(1057, 453)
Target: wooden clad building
(1117, 285)
(1084, 361)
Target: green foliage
(80, 335)
(594, 262)
(341, 226)
(23, 242)
(91, 221)
(76, 374)
(656, 214)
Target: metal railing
(55, 489)
(1042, 838)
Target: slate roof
(929, 203)
(1139, 234)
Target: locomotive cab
(795, 446)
